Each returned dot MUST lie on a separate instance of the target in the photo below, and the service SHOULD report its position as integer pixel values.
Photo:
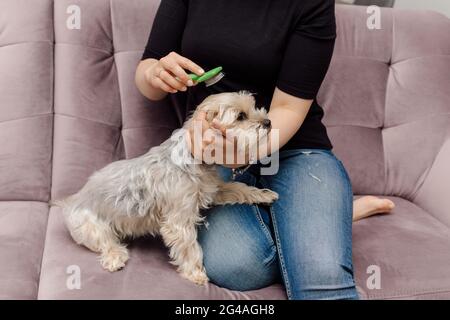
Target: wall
(437, 5)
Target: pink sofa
(69, 106)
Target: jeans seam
(251, 181)
(280, 253)
(350, 191)
(287, 284)
(262, 224)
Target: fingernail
(190, 83)
(201, 71)
(184, 89)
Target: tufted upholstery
(387, 109)
(387, 104)
(26, 117)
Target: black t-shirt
(261, 44)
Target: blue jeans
(304, 239)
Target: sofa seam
(28, 117)
(426, 213)
(86, 119)
(352, 125)
(150, 126)
(413, 198)
(53, 96)
(124, 150)
(408, 294)
(52, 90)
(127, 51)
(50, 42)
(389, 63)
(425, 117)
(109, 124)
(342, 56)
(110, 53)
(390, 71)
(394, 38)
(43, 253)
(420, 57)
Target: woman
(280, 50)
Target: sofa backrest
(386, 96)
(99, 114)
(26, 99)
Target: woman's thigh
(312, 221)
(238, 250)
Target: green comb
(211, 77)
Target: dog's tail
(62, 203)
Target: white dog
(153, 194)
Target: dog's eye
(242, 116)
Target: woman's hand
(155, 78)
(203, 136)
(168, 73)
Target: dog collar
(239, 171)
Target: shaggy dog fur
(163, 191)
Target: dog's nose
(266, 123)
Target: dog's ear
(209, 107)
(211, 114)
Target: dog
(153, 194)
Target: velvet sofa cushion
(412, 257)
(26, 99)
(23, 226)
(147, 275)
(26, 139)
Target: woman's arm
(305, 64)
(161, 69)
(287, 113)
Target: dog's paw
(198, 276)
(267, 196)
(114, 259)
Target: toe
(389, 205)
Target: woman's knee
(236, 253)
(241, 269)
(326, 280)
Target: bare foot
(369, 205)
